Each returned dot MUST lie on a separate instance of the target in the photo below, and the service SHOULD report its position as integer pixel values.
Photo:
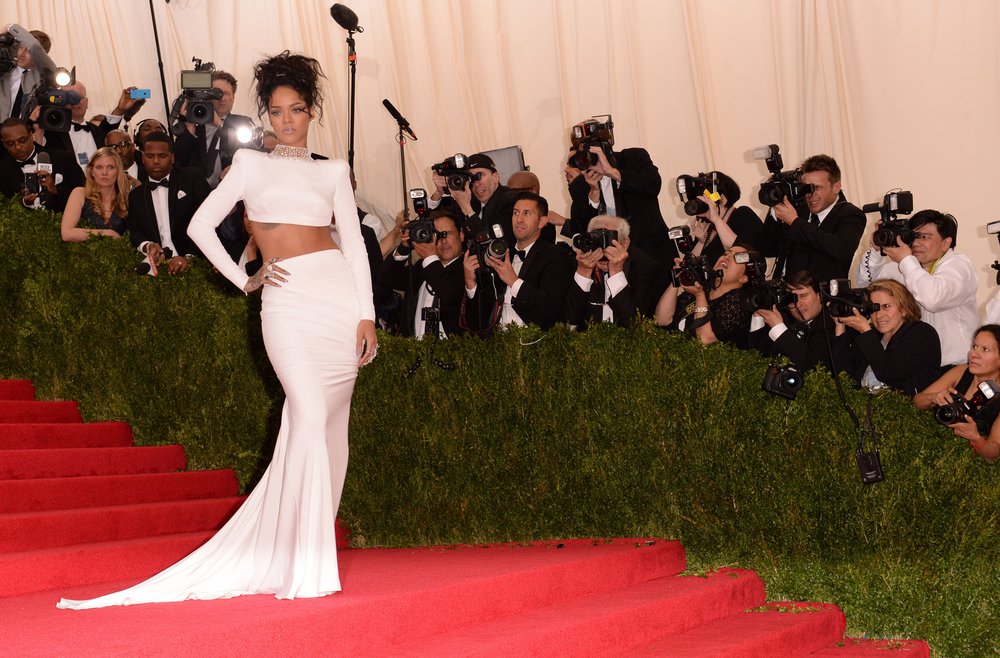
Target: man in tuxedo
(210, 147)
(160, 209)
(125, 148)
(625, 184)
(803, 330)
(613, 284)
(33, 65)
(21, 157)
(822, 235)
(527, 286)
(433, 283)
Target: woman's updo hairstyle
(301, 73)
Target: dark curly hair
(301, 73)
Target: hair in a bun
(301, 73)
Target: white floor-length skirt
(281, 541)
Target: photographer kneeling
(980, 427)
(716, 313)
(893, 348)
(802, 330)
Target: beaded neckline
(300, 152)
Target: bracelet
(700, 309)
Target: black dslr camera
(8, 52)
(893, 204)
(946, 414)
(758, 292)
(601, 238)
(691, 188)
(456, 172)
(591, 133)
(781, 184)
(485, 241)
(682, 239)
(693, 270)
(841, 299)
(783, 381)
(421, 229)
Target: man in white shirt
(943, 282)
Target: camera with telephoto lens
(783, 381)
(591, 132)
(601, 238)
(947, 414)
(691, 190)
(891, 227)
(841, 299)
(485, 241)
(782, 184)
(456, 172)
(758, 292)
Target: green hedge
(537, 435)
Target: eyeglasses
(125, 143)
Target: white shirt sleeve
(345, 209)
(870, 266)
(211, 213)
(616, 283)
(952, 283)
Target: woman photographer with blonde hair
(981, 428)
(894, 347)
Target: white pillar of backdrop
(904, 93)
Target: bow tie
(29, 161)
(161, 183)
(82, 126)
(519, 253)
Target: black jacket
(12, 178)
(142, 216)
(805, 344)
(827, 251)
(447, 283)
(647, 280)
(909, 363)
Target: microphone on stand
(404, 125)
(345, 18)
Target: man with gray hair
(614, 280)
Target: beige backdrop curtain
(904, 93)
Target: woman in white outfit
(318, 325)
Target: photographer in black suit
(821, 236)
(623, 183)
(161, 208)
(804, 332)
(613, 283)
(20, 160)
(527, 286)
(483, 201)
(434, 282)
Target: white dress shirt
(613, 285)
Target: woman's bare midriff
(290, 240)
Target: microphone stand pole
(352, 64)
(401, 138)
(159, 60)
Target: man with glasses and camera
(472, 186)
(943, 282)
(43, 178)
(433, 281)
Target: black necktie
(153, 184)
(518, 253)
(595, 298)
(86, 127)
(813, 220)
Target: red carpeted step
(38, 495)
(22, 411)
(853, 647)
(27, 436)
(37, 530)
(16, 389)
(70, 462)
(72, 566)
(784, 629)
(611, 620)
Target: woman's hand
(857, 322)
(367, 345)
(270, 274)
(967, 430)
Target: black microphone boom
(345, 18)
(404, 125)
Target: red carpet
(81, 506)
